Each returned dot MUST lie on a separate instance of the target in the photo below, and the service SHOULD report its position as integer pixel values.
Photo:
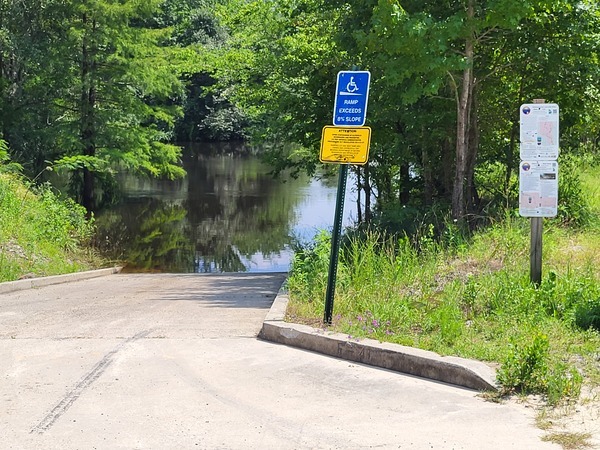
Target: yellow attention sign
(345, 145)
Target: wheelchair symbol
(351, 86)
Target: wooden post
(535, 251)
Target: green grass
(41, 234)
(591, 183)
(471, 299)
(570, 441)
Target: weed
(563, 382)
(543, 420)
(569, 441)
(525, 368)
(587, 314)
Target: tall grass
(470, 297)
(40, 233)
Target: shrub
(563, 382)
(40, 232)
(573, 206)
(63, 219)
(526, 366)
(587, 314)
(310, 267)
(528, 369)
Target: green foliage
(282, 57)
(63, 219)
(193, 22)
(223, 122)
(426, 227)
(91, 87)
(310, 267)
(587, 313)
(208, 115)
(3, 152)
(6, 165)
(500, 193)
(573, 204)
(117, 80)
(279, 67)
(564, 382)
(528, 369)
(471, 299)
(525, 369)
(40, 233)
(78, 162)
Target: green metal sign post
(347, 142)
(335, 242)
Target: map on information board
(539, 131)
(538, 188)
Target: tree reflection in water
(227, 215)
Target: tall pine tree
(114, 103)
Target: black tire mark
(46, 423)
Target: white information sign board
(538, 188)
(539, 131)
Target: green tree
(434, 65)
(115, 99)
(429, 49)
(553, 55)
(85, 83)
(207, 113)
(279, 66)
(27, 72)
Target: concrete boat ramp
(101, 360)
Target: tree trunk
(472, 198)
(87, 119)
(459, 204)
(428, 187)
(404, 184)
(510, 153)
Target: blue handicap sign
(351, 97)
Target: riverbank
(41, 234)
(473, 299)
(471, 296)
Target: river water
(227, 215)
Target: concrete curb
(448, 369)
(30, 283)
